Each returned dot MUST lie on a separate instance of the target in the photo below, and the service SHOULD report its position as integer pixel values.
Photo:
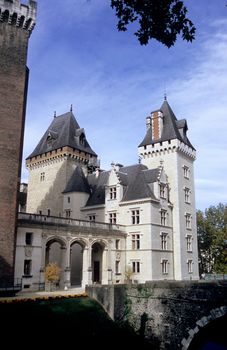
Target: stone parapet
(17, 14)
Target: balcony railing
(54, 220)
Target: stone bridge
(171, 315)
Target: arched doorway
(54, 252)
(212, 336)
(76, 263)
(97, 262)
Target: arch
(76, 261)
(204, 323)
(97, 249)
(54, 251)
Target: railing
(54, 220)
(10, 284)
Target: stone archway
(97, 262)
(209, 332)
(55, 253)
(76, 263)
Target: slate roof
(136, 179)
(172, 128)
(63, 131)
(78, 182)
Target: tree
(212, 239)
(162, 20)
(52, 274)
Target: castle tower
(53, 162)
(166, 143)
(16, 24)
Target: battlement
(17, 14)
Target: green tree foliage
(162, 20)
(212, 239)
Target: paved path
(41, 294)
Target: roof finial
(165, 96)
(71, 108)
(54, 114)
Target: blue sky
(76, 56)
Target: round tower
(16, 24)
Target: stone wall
(168, 314)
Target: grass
(58, 323)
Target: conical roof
(172, 128)
(63, 131)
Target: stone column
(110, 266)
(66, 266)
(105, 266)
(85, 271)
(89, 259)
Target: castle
(101, 225)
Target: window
(136, 267)
(40, 212)
(48, 212)
(117, 267)
(28, 238)
(27, 267)
(135, 217)
(91, 217)
(163, 217)
(189, 243)
(162, 191)
(186, 171)
(188, 220)
(113, 192)
(117, 244)
(164, 241)
(112, 218)
(68, 213)
(135, 241)
(186, 195)
(68, 199)
(164, 267)
(190, 266)
(42, 177)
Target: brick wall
(13, 91)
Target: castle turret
(16, 23)
(51, 165)
(166, 141)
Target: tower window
(135, 217)
(189, 243)
(186, 171)
(67, 213)
(187, 195)
(68, 199)
(164, 241)
(188, 220)
(42, 177)
(164, 267)
(135, 241)
(117, 267)
(190, 266)
(136, 267)
(82, 139)
(92, 217)
(163, 215)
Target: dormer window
(113, 192)
(82, 139)
(162, 190)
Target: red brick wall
(13, 91)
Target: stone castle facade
(101, 225)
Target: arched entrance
(212, 336)
(76, 263)
(54, 252)
(97, 262)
